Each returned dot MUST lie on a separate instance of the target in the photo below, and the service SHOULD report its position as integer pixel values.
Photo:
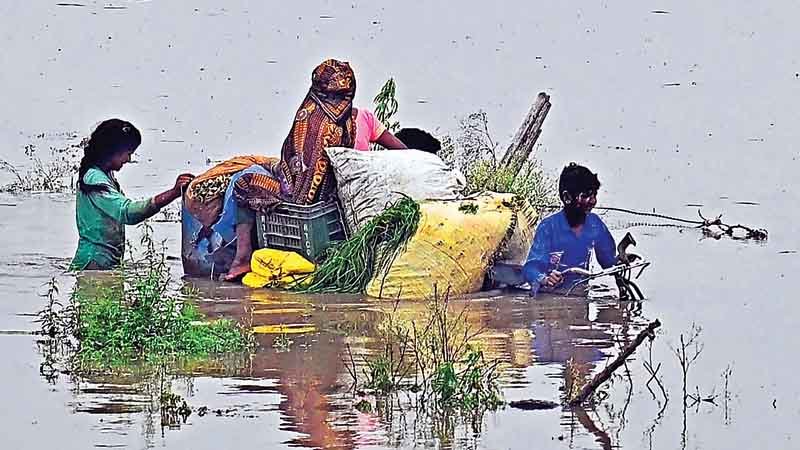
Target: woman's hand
(553, 279)
(165, 198)
(182, 182)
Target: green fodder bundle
(350, 266)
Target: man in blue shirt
(566, 238)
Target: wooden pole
(601, 377)
(522, 146)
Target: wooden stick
(521, 147)
(601, 377)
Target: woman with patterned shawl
(326, 118)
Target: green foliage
(386, 105)
(473, 386)
(134, 317)
(380, 376)
(350, 265)
(469, 208)
(475, 153)
(449, 374)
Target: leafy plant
(134, 316)
(474, 152)
(449, 374)
(386, 105)
(350, 265)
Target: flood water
(673, 103)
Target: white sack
(368, 181)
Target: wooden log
(522, 146)
(606, 373)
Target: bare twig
(604, 375)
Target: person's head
(109, 147)
(577, 188)
(419, 140)
(333, 78)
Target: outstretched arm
(390, 141)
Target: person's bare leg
(244, 245)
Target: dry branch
(618, 362)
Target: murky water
(694, 106)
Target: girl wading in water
(102, 210)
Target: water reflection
(299, 367)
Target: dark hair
(576, 179)
(109, 138)
(419, 140)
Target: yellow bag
(277, 268)
(454, 245)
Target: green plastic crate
(308, 230)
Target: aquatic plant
(135, 316)
(474, 151)
(433, 358)
(53, 175)
(349, 266)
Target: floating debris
(671, 84)
(660, 11)
(533, 405)
(70, 4)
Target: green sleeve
(122, 209)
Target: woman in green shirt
(102, 210)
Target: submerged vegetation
(349, 266)
(474, 151)
(133, 317)
(432, 358)
(52, 174)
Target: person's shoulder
(364, 112)
(95, 176)
(552, 218)
(595, 220)
(549, 221)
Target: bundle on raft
(350, 266)
(402, 250)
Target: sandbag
(368, 181)
(206, 207)
(515, 249)
(455, 243)
(276, 268)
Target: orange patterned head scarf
(324, 119)
(333, 86)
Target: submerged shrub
(53, 174)
(136, 316)
(474, 152)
